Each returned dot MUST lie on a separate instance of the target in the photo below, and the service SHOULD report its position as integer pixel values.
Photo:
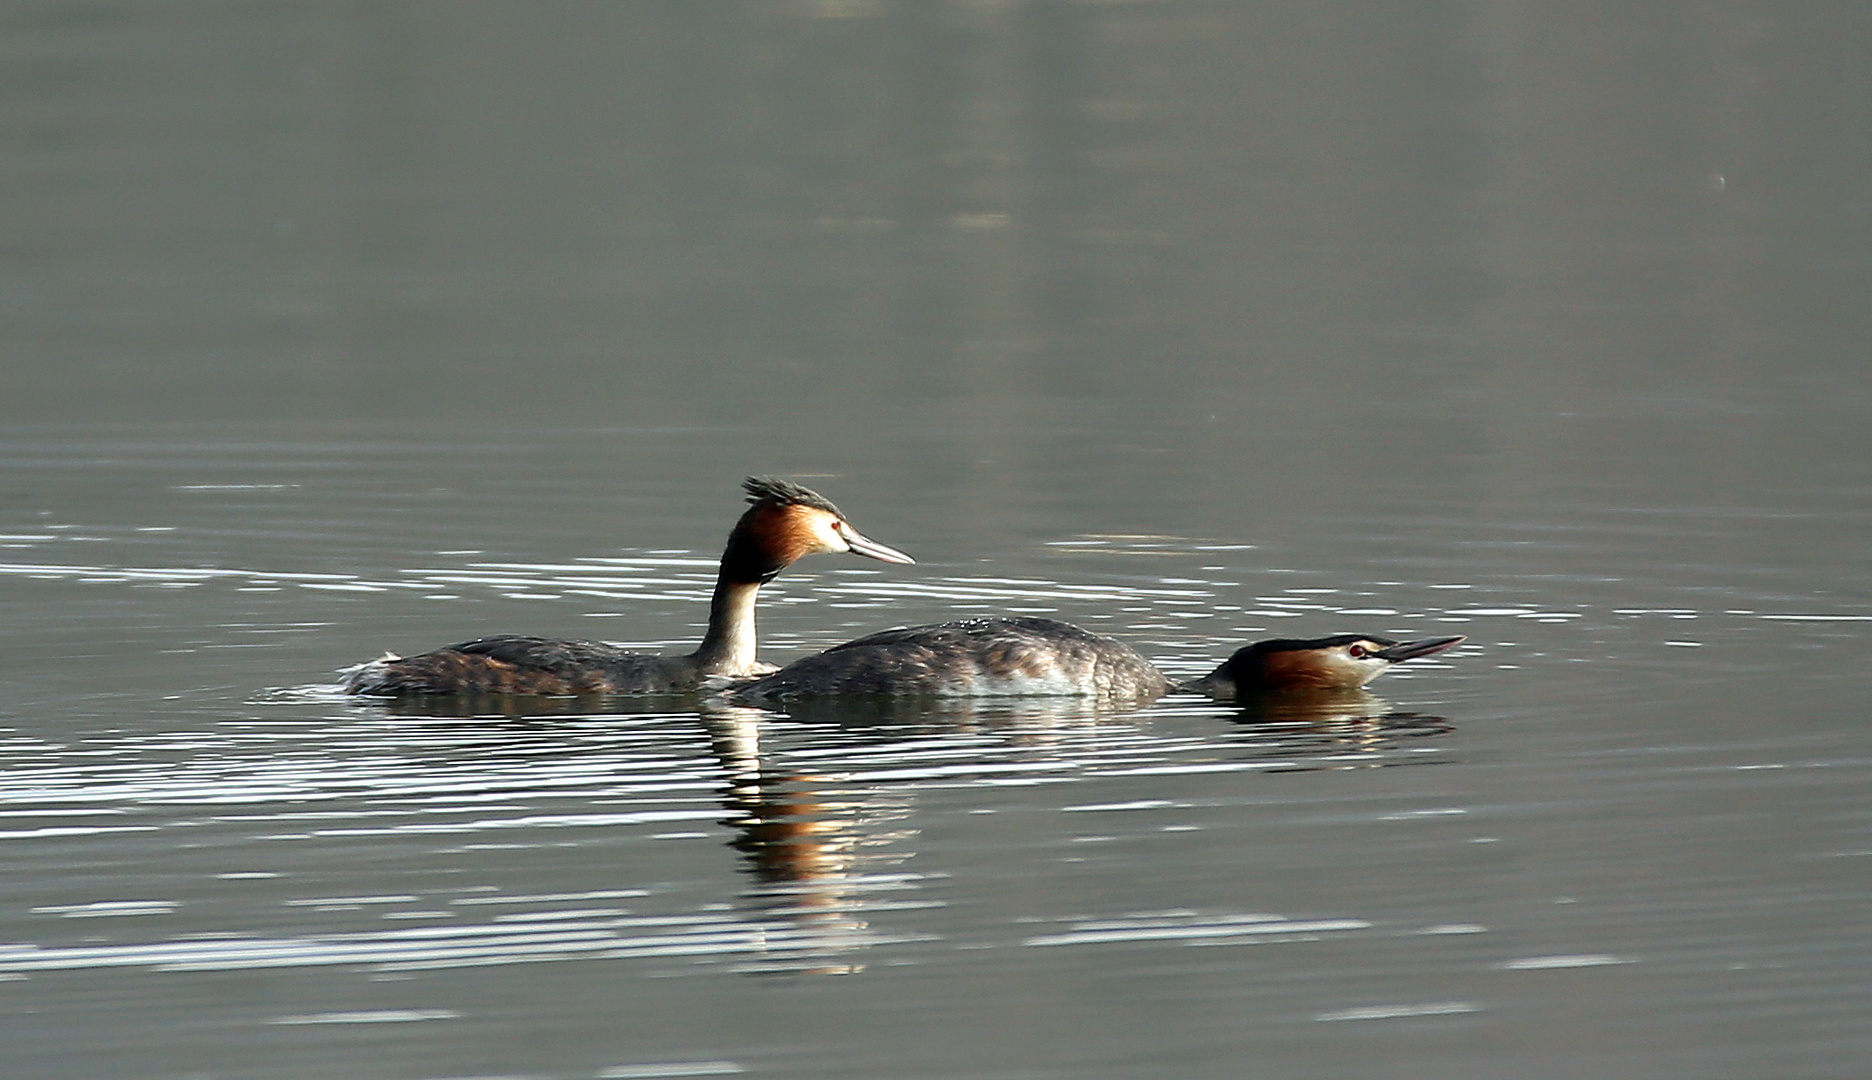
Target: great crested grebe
(1340, 662)
(785, 523)
(1009, 657)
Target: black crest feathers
(758, 549)
(772, 491)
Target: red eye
(1357, 652)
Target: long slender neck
(729, 646)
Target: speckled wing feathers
(970, 658)
(524, 665)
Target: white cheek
(1348, 670)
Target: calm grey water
(328, 329)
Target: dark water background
(327, 329)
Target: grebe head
(785, 523)
(1341, 662)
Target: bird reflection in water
(1348, 729)
(823, 849)
(817, 850)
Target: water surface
(332, 331)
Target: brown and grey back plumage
(519, 664)
(970, 658)
(783, 523)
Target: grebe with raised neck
(1035, 657)
(783, 524)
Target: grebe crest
(785, 523)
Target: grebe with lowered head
(784, 523)
(1034, 657)
(1286, 665)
